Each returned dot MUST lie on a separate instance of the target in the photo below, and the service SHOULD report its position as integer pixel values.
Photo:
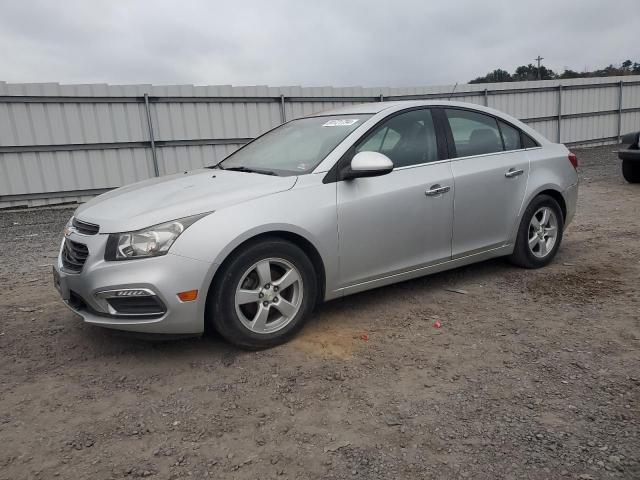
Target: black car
(630, 157)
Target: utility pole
(539, 59)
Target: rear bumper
(570, 196)
(629, 155)
(163, 277)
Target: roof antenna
(452, 92)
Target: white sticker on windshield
(341, 123)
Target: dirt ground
(533, 374)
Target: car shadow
(474, 273)
(330, 314)
(147, 347)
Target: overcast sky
(309, 43)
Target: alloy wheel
(543, 232)
(269, 295)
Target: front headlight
(148, 242)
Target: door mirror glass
(369, 164)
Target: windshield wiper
(248, 170)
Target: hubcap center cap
(269, 294)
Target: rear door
(490, 171)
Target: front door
(399, 221)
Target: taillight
(573, 159)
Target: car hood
(162, 199)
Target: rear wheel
(264, 294)
(631, 171)
(539, 234)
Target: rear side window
(528, 142)
(407, 139)
(510, 136)
(474, 133)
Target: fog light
(132, 293)
(130, 302)
(188, 296)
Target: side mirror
(368, 164)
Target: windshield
(296, 147)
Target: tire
(274, 311)
(631, 171)
(541, 251)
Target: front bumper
(163, 276)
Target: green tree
(498, 75)
(609, 71)
(530, 72)
(570, 74)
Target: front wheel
(264, 294)
(631, 171)
(539, 234)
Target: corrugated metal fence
(62, 143)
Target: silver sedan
(316, 209)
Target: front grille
(85, 228)
(74, 255)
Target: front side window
(474, 133)
(295, 148)
(407, 139)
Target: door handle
(437, 190)
(513, 173)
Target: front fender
(308, 212)
(261, 230)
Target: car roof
(385, 108)
(377, 107)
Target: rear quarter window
(510, 136)
(528, 142)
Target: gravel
(532, 374)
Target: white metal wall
(62, 143)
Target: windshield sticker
(347, 122)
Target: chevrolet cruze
(315, 209)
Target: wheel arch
(557, 196)
(293, 237)
(551, 190)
